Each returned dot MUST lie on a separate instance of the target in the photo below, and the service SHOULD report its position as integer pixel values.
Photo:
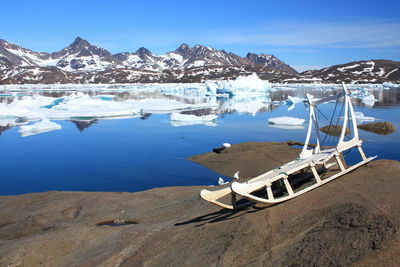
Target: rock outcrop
(353, 220)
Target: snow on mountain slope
(82, 56)
(371, 71)
(17, 55)
(270, 61)
(79, 56)
(81, 62)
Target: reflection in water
(278, 96)
(5, 128)
(138, 154)
(82, 125)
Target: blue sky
(304, 34)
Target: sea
(138, 153)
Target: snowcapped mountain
(14, 55)
(270, 61)
(78, 56)
(371, 71)
(186, 57)
(82, 56)
(81, 62)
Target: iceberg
(38, 127)
(288, 121)
(243, 85)
(360, 117)
(369, 100)
(366, 97)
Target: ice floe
(221, 181)
(38, 127)
(189, 117)
(287, 127)
(178, 119)
(360, 117)
(288, 121)
(390, 85)
(79, 105)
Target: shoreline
(173, 226)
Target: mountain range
(81, 62)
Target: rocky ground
(353, 220)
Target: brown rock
(382, 128)
(353, 220)
(334, 130)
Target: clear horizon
(304, 35)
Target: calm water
(136, 154)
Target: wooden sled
(280, 184)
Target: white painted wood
(307, 158)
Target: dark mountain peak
(143, 52)
(199, 46)
(252, 56)
(184, 46)
(270, 61)
(183, 49)
(121, 56)
(79, 43)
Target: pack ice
(79, 105)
